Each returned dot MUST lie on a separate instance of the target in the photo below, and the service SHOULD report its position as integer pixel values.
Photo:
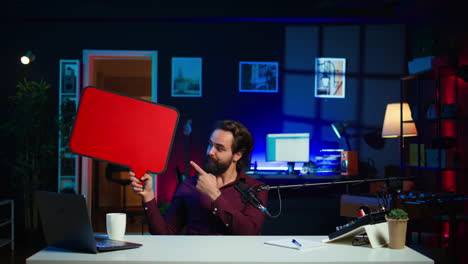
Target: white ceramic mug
(116, 224)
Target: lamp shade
(392, 121)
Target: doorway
(105, 185)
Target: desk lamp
(349, 159)
(340, 131)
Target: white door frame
(88, 57)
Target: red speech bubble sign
(124, 130)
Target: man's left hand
(206, 183)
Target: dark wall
(221, 45)
(375, 60)
(375, 54)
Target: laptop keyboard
(109, 244)
(105, 244)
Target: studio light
(28, 58)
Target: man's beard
(215, 167)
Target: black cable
(279, 212)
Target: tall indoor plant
(31, 130)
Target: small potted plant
(397, 224)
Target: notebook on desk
(66, 224)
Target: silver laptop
(66, 224)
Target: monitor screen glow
(288, 147)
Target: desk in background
(230, 249)
(274, 178)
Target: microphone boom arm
(268, 187)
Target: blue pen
(296, 243)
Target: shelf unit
(435, 155)
(8, 221)
(68, 163)
(434, 100)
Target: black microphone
(249, 195)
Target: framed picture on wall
(330, 77)
(186, 77)
(69, 72)
(259, 77)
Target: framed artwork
(258, 77)
(69, 72)
(186, 77)
(330, 77)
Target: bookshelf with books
(436, 152)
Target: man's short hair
(243, 141)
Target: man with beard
(209, 204)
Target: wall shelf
(5, 222)
(68, 163)
(433, 169)
(436, 107)
(436, 87)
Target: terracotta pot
(397, 232)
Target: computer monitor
(288, 147)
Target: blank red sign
(124, 130)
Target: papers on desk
(302, 244)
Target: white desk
(230, 249)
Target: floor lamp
(395, 115)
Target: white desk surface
(230, 249)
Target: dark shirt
(195, 213)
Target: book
(302, 244)
(417, 157)
(377, 233)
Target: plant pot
(397, 232)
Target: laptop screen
(65, 221)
